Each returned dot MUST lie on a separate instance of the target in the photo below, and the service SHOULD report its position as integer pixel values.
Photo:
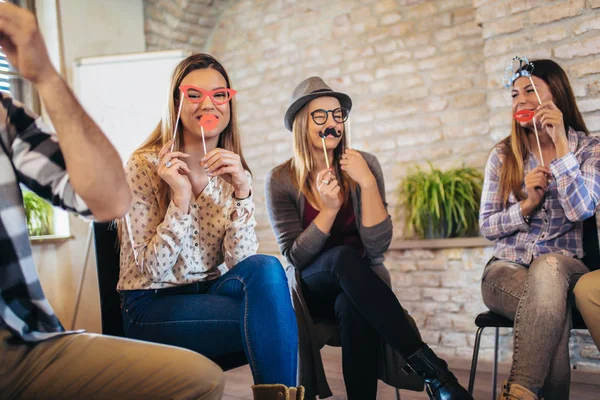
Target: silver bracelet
(527, 218)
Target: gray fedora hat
(310, 89)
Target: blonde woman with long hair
(541, 182)
(190, 275)
(333, 227)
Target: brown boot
(277, 392)
(514, 391)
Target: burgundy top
(344, 230)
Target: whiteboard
(126, 94)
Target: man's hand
(22, 42)
(93, 165)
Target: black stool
(490, 319)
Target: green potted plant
(39, 214)
(441, 204)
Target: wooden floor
(239, 381)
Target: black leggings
(340, 285)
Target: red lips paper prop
(209, 121)
(524, 115)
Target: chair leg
(397, 394)
(474, 360)
(495, 373)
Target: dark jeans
(340, 285)
(247, 308)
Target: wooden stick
(177, 121)
(204, 144)
(535, 90)
(537, 137)
(325, 152)
(349, 133)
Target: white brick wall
(180, 24)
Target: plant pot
(439, 230)
(441, 204)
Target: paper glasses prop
(197, 95)
(209, 121)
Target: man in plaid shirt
(38, 358)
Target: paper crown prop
(517, 68)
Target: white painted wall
(101, 27)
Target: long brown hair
(302, 163)
(515, 147)
(229, 139)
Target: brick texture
(181, 24)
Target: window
(10, 80)
(4, 77)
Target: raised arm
(240, 239)
(376, 231)
(156, 241)
(297, 244)
(496, 221)
(578, 184)
(92, 163)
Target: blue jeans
(248, 308)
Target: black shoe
(441, 384)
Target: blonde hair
(229, 139)
(302, 163)
(515, 149)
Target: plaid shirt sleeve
(156, 241)
(37, 158)
(496, 220)
(578, 181)
(29, 154)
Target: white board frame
(130, 102)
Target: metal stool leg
(397, 394)
(495, 373)
(474, 360)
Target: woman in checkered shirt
(535, 198)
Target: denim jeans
(341, 286)
(539, 299)
(247, 308)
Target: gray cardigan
(300, 246)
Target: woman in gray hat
(333, 227)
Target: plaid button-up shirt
(556, 226)
(29, 155)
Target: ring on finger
(325, 181)
(168, 164)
